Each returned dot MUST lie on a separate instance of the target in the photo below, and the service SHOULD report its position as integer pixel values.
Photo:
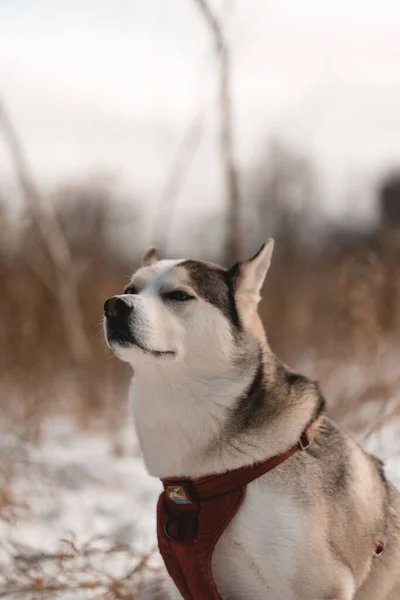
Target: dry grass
(76, 569)
(341, 305)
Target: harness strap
(217, 485)
(187, 557)
(192, 514)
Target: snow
(73, 487)
(78, 485)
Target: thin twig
(76, 572)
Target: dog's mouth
(158, 353)
(122, 337)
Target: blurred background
(201, 127)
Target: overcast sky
(112, 85)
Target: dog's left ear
(150, 257)
(248, 276)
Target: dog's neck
(190, 427)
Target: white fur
(176, 419)
(180, 407)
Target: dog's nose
(116, 307)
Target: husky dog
(210, 396)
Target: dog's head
(187, 311)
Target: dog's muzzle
(117, 313)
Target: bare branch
(54, 239)
(176, 177)
(234, 238)
(181, 163)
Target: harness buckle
(180, 529)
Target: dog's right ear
(150, 257)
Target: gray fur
(214, 284)
(340, 490)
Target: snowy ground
(73, 488)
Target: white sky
(112, 85)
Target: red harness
(192, 514)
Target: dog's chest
(258, 555)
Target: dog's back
(313, 529)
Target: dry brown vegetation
(325, 310)
(73, 570)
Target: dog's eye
(130, 289)
(178, 295)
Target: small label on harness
(177, 494)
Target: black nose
(116, 307)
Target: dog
(209, 396)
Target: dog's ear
(248, 276)
(150, 257)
